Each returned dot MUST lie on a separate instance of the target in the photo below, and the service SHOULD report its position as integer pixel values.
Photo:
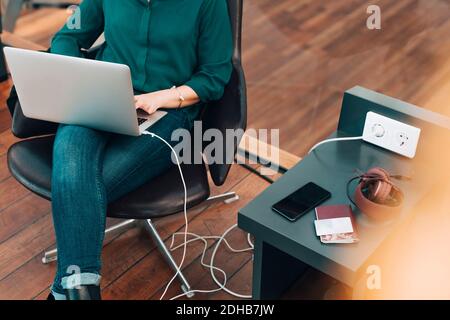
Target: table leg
(274, 271)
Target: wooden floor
(299, 57)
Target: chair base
(168, 257)
(227, 198)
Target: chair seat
(30, 162)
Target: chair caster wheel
(235, 198)
(47, 258)
(188, 292)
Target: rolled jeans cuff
(80, 279)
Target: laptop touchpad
(142, 114)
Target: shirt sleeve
(215, 49)
(83, 29)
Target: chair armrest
(23, 127)
(91, 53)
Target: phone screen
(301, 201)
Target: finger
(148, 109)
(140, 105)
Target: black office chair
(30, 162)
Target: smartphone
(301, 201)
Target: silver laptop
(77, 91)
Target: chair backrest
(230, 112)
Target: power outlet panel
(391, 134)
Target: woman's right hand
(147, 102)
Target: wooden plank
(5, 120)
(39, 26)
(25, 245)
(10, 192)
(5, 87)
(34, 278)
(6, 140)
(13, 40)
(4, 172)
(267, 153)
(21, 214)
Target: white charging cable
(333, 140)
(204, 239)
(221, 285)
(212, 268)
(213, 255)
(186, 222)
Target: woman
(166, 43)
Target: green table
(283, 250)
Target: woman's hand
(151, 102)
(169, 98)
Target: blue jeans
(90, 169)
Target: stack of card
(335, 224)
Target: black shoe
(90, 292)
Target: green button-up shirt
(164, 42)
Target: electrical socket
(391, 134)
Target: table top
(331, 166)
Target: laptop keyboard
(141, 121)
